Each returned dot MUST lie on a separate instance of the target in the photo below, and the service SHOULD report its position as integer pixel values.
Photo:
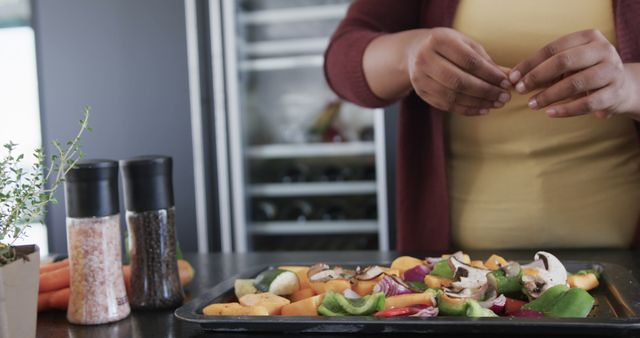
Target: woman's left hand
(578, 74)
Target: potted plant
(23, 198)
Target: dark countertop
(214, 268)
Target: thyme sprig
(23, 191)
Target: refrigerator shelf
(279, 63)
(314, 227)
(293, 14)
(285, 46)
(299, 150)
(313, 189)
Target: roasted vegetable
(416, 273)
(504, 284)
(425, 298)
(305, 307)
(335, 304)
(234, 309)
(243, 287)
(547, 299)
(271, 302)
(585, 280)
(398, 312)
(278, 282)
(575, 303)
(404, 263)
(391, 286)
(452, 306)
(442, 269)
(475, 310)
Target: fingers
(449, 97)
(600, 100)
(563, 63)
(457, 80)
(554, 48)
(590, 79)
(440, 103)
(474, 60)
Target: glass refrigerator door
(307, 168)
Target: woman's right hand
(453, 73)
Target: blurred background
(266, 156)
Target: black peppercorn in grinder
(148, 192)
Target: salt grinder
(97, 291)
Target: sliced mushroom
(546, 271)
(469, 281)
(474, 293)
(322, 272)
(369, 273)
(314, 269)
(467, 276)
(344, 273)
(538, 263)
(323, 276)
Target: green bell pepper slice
(475, 310)
(575, 303)
(335, 304)
(442, 269)
(547, 299)
(503, 284)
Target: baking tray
(616, 313)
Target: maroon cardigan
(422, 203)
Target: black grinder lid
(91, 189)
(147, 182)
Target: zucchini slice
(278, 282)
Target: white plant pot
(19, 294)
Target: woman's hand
(453, 73)
(584, 74)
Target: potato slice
(234, 309)
(404, 263)
(305, 307)
(271, 302)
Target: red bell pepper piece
(513, 305)
(397, 312)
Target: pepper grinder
(148, 187)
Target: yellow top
(519, 179)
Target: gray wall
(127, 59)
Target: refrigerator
(296, 167)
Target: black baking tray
(617, 313)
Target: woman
(517, 123)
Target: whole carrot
(59, 279)
(54, 280)
(54, 285)
(54, 266)
(58, 299)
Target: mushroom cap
(470, 282)
(368, 273)
(544, 272)
(322, 272)
(555, 273)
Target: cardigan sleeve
(365, 21)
